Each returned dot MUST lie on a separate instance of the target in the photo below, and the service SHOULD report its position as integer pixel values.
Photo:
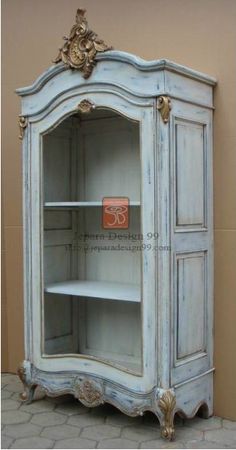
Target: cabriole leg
(167, 403)
(28, 394)
(24, 373)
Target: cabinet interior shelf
(52, 205)
(97, 289)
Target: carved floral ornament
(85, 106)
(88, 393)
(81, 47)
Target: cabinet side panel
(189, 147)
(191, 241)
(190, 304)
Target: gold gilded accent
(164, 106)
(87, 393)
(23, 122)
(85, 106)
(167, 404)
(81, 47)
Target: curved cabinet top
(119, 71)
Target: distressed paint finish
(190, 305)
(190, 170)
(131, 87)
(191, 240)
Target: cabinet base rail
(93, 391)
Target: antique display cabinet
(120, 315)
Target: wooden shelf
(62, 205)
(97, 289)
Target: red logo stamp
(115, 212)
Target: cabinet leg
(168, 429)
(28, 394)
(25, 377)
(167, 404)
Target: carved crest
(167, 404)
(85, 106)
(88, 393)
(81, 47)
(164, 106)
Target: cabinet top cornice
(125, 58)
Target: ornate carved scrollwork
(22, 122)
(81, 47)
(85, 106)
(88, 393)
(164, 106)
(167, 403)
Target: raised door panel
(189, 174)
(190, 303)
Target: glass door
(92, 239)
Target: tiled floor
(64, 423)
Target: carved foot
(24, 373)
(28, 394)
(167, 404)
(168, 431)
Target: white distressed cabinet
(120, 315)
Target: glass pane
(92, 257)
